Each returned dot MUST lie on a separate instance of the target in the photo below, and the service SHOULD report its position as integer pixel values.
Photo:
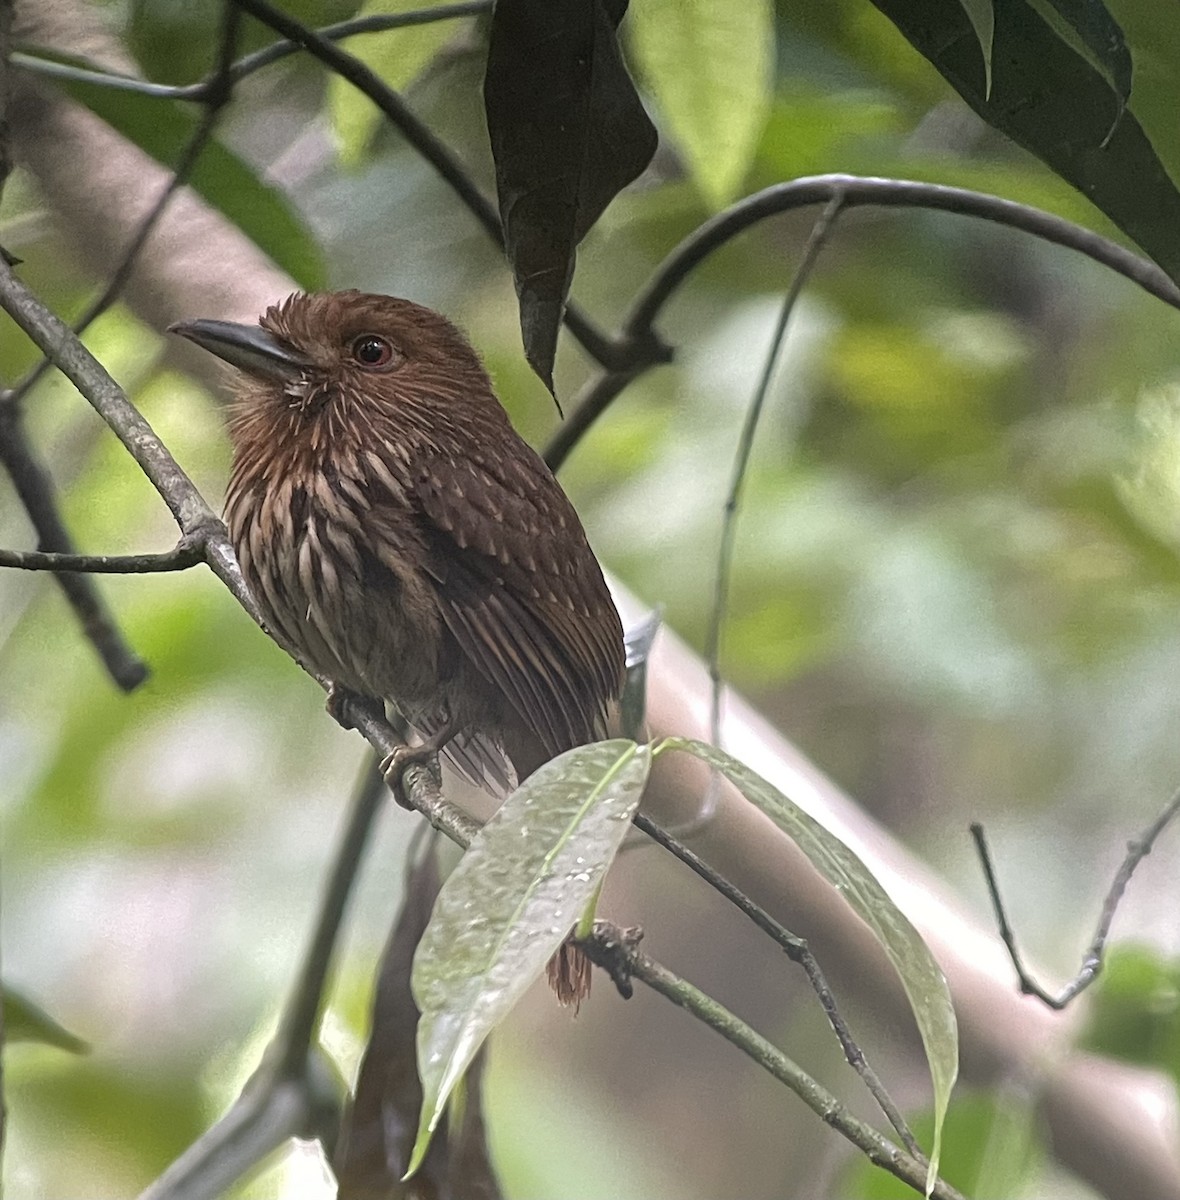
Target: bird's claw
(395, 765)
(337, 705)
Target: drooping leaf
(509, 904)
(398, 56)
(377, 1133)
(924, 983)
(25, 1021)
(982, 16)
(711, 67)
(162, 127)
(567, 132)
(1050, 100)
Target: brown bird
(404, 541)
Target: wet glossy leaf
(567, 132)
(924, 983)
(377, 1133)
(515, 895)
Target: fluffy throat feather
(298, 433)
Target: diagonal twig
(617, 951)
(1092, 960)
(29, 476)
(249, 63)
(798, 951)
(35, 489)
(188, 552)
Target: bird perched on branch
(404, 541)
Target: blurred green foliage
(956, 588)
(1136, 1011)
(990, 1151)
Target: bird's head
(346, 360)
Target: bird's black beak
(248, 347)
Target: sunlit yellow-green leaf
(398, 56)
(710, 68)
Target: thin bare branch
(35, 489)
(741, 459)
(284, 1096)
(248, 64)
(188, 552)
(32, 481)
(856, 191)
(1092, 960)
(217, 93)
(617, 951)
(302, 1015)
(798, 951)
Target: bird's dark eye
(372, 351)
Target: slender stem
(31, 479)
(590, 403)
(302, 1016)
(259, 1122)
(741, 460)
(248, 64)
(856, 191)
(59, 343)
(1092, 960)
(188, 552)
(876, 1147)
(217, 94)
(798, 951)
(288, 1092)
(34, 487)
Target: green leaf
(1053, 102)
(924, 983)
(509, 904)
(398, 56)
(982, 16)
(162, 127)
(992, 1150)
(25, 1021)
(710, 66)
(1134, 1012)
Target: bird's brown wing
(522, 593)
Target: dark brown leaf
(568, 132)
(378, 1130)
